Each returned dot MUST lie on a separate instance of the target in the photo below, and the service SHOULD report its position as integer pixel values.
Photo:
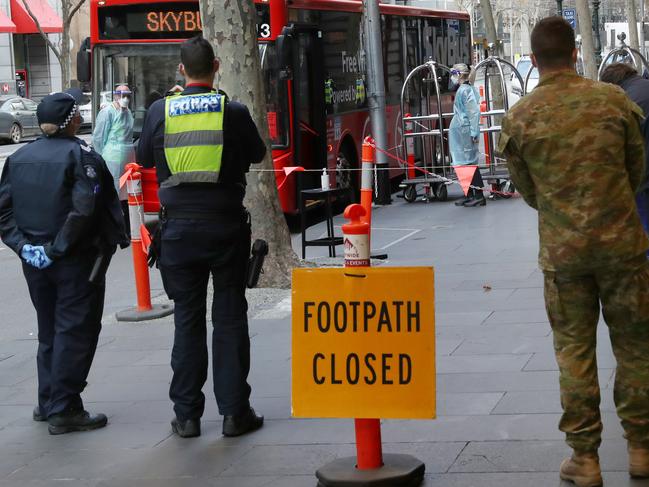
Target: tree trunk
(230, 26)
(64, 59)
(632, 18)
(490, 25)
(587, 46)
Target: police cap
(57, 109)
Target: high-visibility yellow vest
(193, 137)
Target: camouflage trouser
(573, 303)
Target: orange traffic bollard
(483, 108)
(367, 175)
(356, 238)
(368, 469)
(144, 309)
(410, 150)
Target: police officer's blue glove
(28, 254)
(42, 260)
(35, 256)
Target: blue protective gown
(464, 125)
(112, 137)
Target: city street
(497, 380)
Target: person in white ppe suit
(112, 137)
(464, 131)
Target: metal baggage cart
(622, 54)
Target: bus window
(276, 101)
(145, 69)
(414, 58)
(344, 61)
(393, 58)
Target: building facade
(28, 67)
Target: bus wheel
(410, 193)
(441, 192)
(346, 177)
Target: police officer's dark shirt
(242, 146)
(58, 192)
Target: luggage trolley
(432, 174)
(497, 175)
(620, 55)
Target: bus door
(309, 133)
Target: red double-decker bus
(312, 56)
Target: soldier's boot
(638, 460)
(582, 469)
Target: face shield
(123, 97)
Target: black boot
(75, 421)
(477, 200)
(237, 425)
(190, 428)
(463, 200)
(37, 415)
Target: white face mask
(455, 80)
(123, 102)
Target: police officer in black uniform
(60, 213)
(202, 146)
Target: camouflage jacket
(575, 153)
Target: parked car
(86, 113)
(523, 67)
(17, 118)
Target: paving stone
(548, 361)
(531, 456)
(496, 345)
(500, 317)
(482, 363)
(128, 391)
(445, 346)
(532, 282)
(536, 402)
(488, 428)
(466, 404)
(480, 332)
(495, 480)
(460, 318)
(511, 456)
(287, 459)
(498, 381)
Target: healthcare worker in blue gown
(464, 131)
(112, 137)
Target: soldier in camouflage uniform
(576, 155)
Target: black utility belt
(170, 213)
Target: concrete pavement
(497, 383)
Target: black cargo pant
(69, 311)
(191, 251)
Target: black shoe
(240, 424)
(479, 200)
(190, 428)
(461, 201)
(75, 421)
(37, 416)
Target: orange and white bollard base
(370, 467)
(144, 310)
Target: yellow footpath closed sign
(364, 343)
